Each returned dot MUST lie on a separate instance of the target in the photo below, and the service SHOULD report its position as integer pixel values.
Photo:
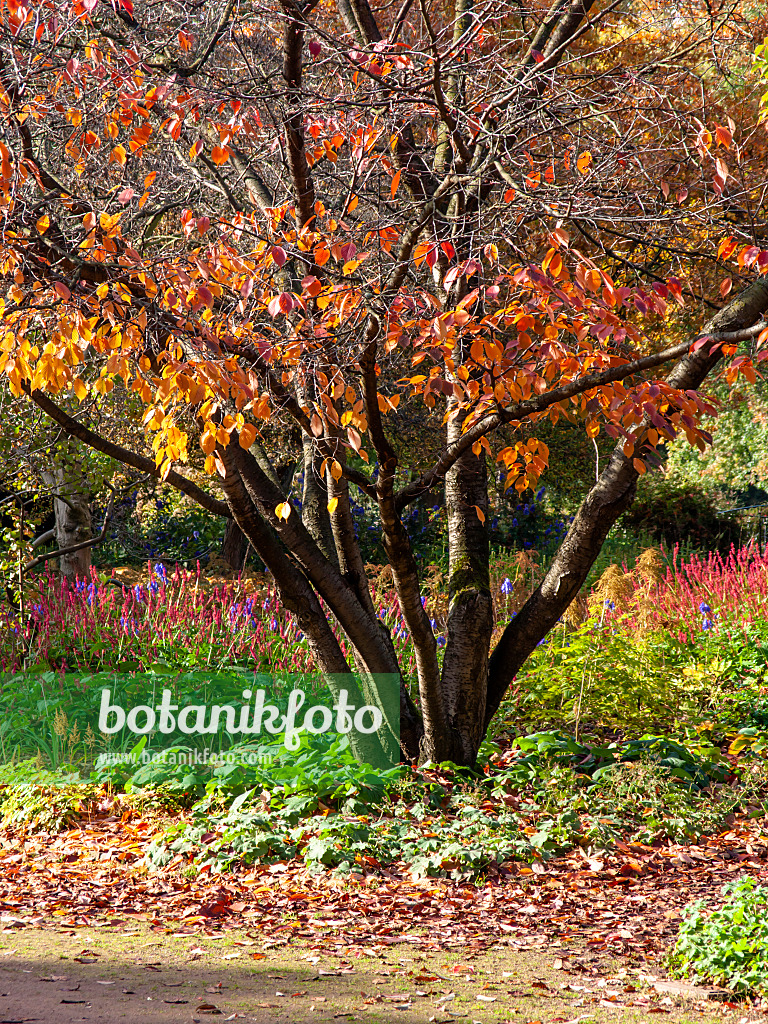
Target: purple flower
(507, 586)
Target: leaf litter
(584, 913)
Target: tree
(286, 215)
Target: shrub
(730, 945)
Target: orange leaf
(723, 136)
(584, 162)
(480, 513)
(726, 248)
(220, 155)
(247, 436)
(395, 184)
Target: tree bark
(314, 502)
(470, 609)
(72, 510)
(234, 546)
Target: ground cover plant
(623, 745)
(729, 945)
(619, 730)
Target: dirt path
(87, 933)
(143, 976)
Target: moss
(469, 575)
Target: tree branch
(293, 43)
(523, 410)
(92, 543)
(115, 451)
(612, 494)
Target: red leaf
(279, 255)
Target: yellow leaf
(79, 388)
(336, 470)
(739, 743)
(109, 221)
(43, 223)
(247, 435)
(332, 505)
(283, 510)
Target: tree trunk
(71, 506)
(234, 546)
(470, 611)
(314, 503)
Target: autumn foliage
(252, 217)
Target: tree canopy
(251, 217)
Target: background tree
(306, 214)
